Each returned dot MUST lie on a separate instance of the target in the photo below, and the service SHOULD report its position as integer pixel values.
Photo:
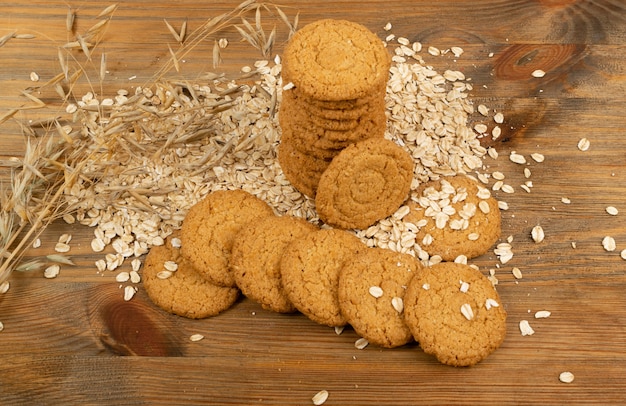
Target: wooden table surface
(64, 339)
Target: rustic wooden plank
(63, 339)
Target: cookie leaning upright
(455, 313)
(366, 182)
(210, 227)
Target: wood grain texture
(72, 339)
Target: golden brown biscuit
(326, 144)
(455, 313)
(335, 60)
(371, 291)
(310, 270)
(255, 261)
(184, 292)
(365, 182)
(301, 170)
(456, 216)
(374, 102)
(209, 229)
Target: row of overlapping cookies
(232, 242)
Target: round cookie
(185, 292)
(456, 216)
(455, 313)
(371, 290)
(335, 60)
(255, 261)
(209, 229)
(365, 182)
(310, 270)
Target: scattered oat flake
(196, 337)
(320, 397)
(525, 328)
(623, 254)
(565, 200)
(164, 274)
(61, 247)
(566, 377)
(398, 304)
(608, 243)
(37, 243)
(612, 211)
(542, 314)
(1, 326)
(4, 287)
(122, 277)
(517, 273)
(538, 73)
(52, 271)
(339, 329)
(537, 234)
(517, 158)
(583, 144)
(129, 292)
(170, 266)
(537, 157)
(361, 343)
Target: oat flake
(608, 243)
(196, 337)
(542, 314)
(320, 397)
(566, 377)
(525, 328)
(361, 343)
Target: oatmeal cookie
(456, 216)
(255, 261)
(335, 60)
(455, 313)
(209, 229)
(371, 291)
(185, 292)
(365, 182)
(310, 270)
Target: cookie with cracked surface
(210, 227)
(310, 270)
(455, 313)
(455, 216)
(335, 60)
(256, 255)
(365, 182)
(371, 292)
(185, 292)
